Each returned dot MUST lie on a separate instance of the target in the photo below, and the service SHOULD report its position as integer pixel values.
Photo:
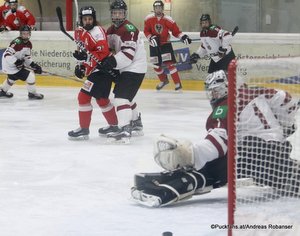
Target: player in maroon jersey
(215, 43)
(16, 61)
(3, 10)
(157, 28)
(18, 16)
(130, 59)
(99, 81)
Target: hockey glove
(194, 58)
(36, 68)
(79, 71)
(222, 52)
(154, 41)
(19, 64)
(2, 28)
(107, 63)
(186, 39)
(80, 56)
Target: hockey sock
(31, 83)
(174, 74)
(135, 113)
(7, 85)
(124, 111)
(160, 73)
(108, 111)
(85, 110)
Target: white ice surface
(50, 186)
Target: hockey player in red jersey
(3, 10)
(99, 81)
(18, 16)
(156, 28)
(197, 168)
(215, 42)
(16, 60)
(130, 59)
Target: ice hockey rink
(51, 186)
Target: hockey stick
(76, 7)
(79, 44)
(234, 31)
(41, 14)
(166, 66)
(63, 76)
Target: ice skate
(4, 94)
(137, 127)
(121, 137)
(162, 84)
(108, 130)
(79, 134)
(35, 96)
(178, 87)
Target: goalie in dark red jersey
(200, 167)
(156, 28)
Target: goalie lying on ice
(197, 168)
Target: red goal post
(274, 182)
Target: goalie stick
(79, 44)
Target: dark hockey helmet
(118, 12)
(216, 86)
(13, 4)
(87, 11)
(25, 32)
(158, 3)
(158, 7)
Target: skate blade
(80, 138)
(120, 141)
(137, 133)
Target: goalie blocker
(165, 188)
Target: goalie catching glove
(172, 154)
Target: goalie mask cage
(267, 201)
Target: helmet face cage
(13, 4)
(205, 21)
(87, 11)
(25, 32)
(216, 86)
(118, 12)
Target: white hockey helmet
(216, 86)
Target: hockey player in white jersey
(200, 167)
(16, 60)
(215, 43)
(130, 59)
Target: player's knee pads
(30, 79)
(103, 102)
(172, 154)
(84, 98)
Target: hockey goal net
(264, 147)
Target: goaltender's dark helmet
(87, 11)
(118, 5)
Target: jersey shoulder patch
(220, 112)
(130, 27)
(17, 41)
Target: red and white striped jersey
(16, 50)
(95, 42)
(161, 27)
(22, 16)
(128, 46)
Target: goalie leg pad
(160, 189)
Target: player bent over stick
(99, 81)
(15, 61)
(200, 167)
